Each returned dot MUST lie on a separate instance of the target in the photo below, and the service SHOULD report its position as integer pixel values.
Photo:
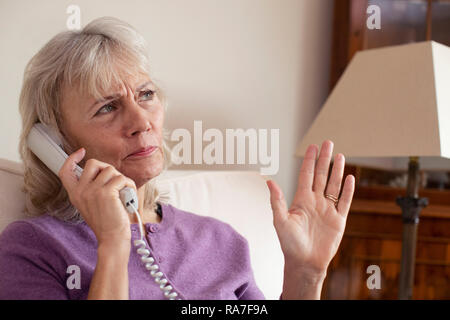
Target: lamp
(393, 103)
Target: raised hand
(311, 230)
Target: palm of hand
(311, 230)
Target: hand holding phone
(96, 196)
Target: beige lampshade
(390, 102)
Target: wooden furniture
(373, 237)
(402, 22)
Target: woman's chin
(144, 169)
(143, 176)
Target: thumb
(277, 201)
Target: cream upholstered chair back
(240, 198)
(11, 198)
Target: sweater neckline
(164, 211)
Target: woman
(93, 87)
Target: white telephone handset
(47, 147)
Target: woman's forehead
(121, 90)
(135, 84)
(79, 94)
(102, 90)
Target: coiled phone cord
(145, 257)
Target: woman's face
(130, 118)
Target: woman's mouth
(143, 152)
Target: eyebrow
(117, 95)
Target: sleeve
(25, 271)
(249, 289)
(251, 292)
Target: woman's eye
(148, 95)
(106, 107)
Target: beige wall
(232, 64)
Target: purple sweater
(202, 258)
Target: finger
(334, 184)
(277, 201)
(67, 172)
(119, 182)
(91, 170)
(105, 176)
(322, 167)
(306, 175)
(345, 200)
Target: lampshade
(390, 102)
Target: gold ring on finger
(332, 198)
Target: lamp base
(411, 207)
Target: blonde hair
(92, 59)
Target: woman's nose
(136, 119)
